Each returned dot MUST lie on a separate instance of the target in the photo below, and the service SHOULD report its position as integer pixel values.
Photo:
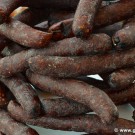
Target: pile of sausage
(52, 46)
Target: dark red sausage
(27, 16)
(9, 126)
(84, 65)
(122, 97)
(122, 78)
(24, 94)
(56, 107)
(24, 34)
(125, 38)
(75, 90)
(62, 107)
(96, 43)
(84, 17)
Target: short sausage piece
(121, 78)
(122, 97)
(84, 17)
(125, 38)
(24, 34)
